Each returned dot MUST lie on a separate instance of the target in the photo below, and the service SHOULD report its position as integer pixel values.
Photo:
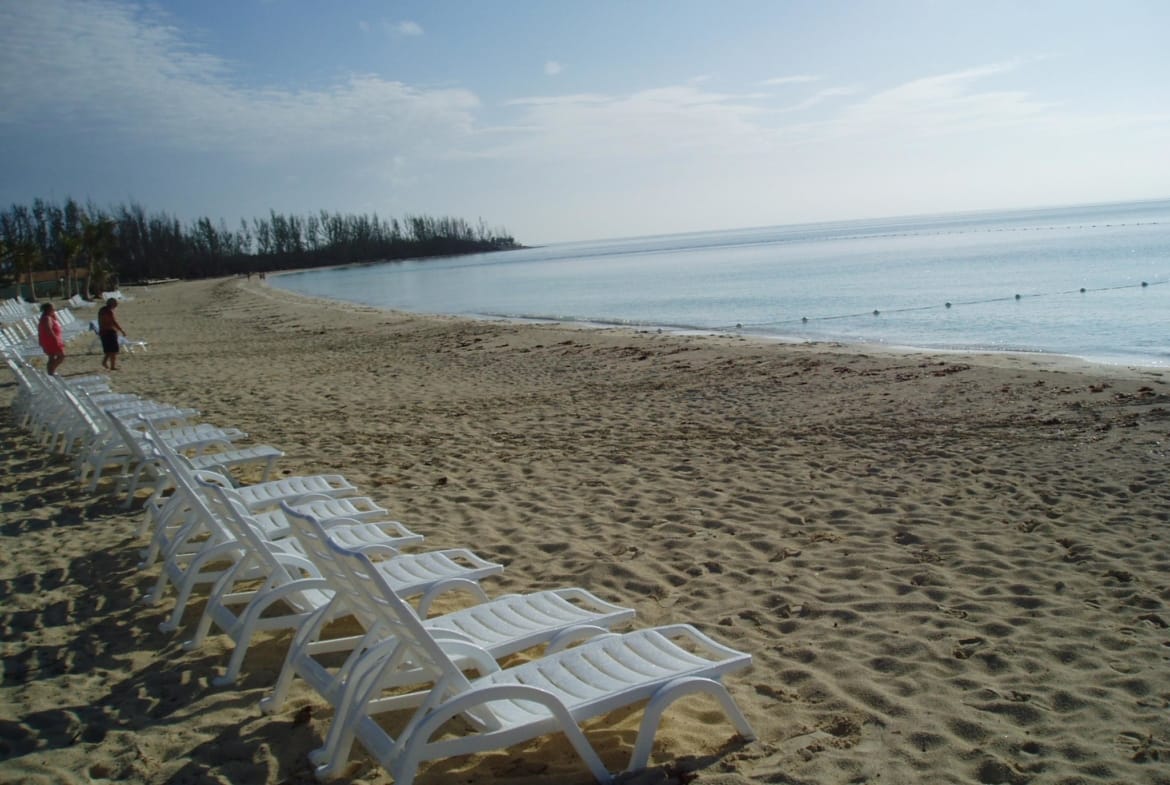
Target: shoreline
(1046, 358)
(947, 568)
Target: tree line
(126, 244)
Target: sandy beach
(947, 568)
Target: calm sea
(1090, 282)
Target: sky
(564, 120)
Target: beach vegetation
(70, 248)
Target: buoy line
(947, 305)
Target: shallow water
(1090, 282)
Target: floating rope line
(946, 305)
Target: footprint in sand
(966, 647)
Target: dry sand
(948, 569)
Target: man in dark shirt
(108, 329)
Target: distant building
(50, 284)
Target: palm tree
(27, 257)
(97, 240)
(71, 246)
(7, 265)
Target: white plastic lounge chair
(292, 587)
(263, 496)
(367, 523)
(372, 523)
(501, 626)
(554, 693)
(258, 496)
(196, 540)
(69, 419)
(17, 343)
(350, 530)
(126, 344)
(289, 590)
(71, 327)
(39, 405)
(107, 447)
(193, 543)
(142, 466)
(36, 405)
(201, 549)
(130, 344)
(330, 494)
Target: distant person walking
(108, 329)
(51, 338)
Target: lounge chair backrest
(18, 372)
(25, 401)
(373, 601)
(134, 439)
(236, 519)
(399, 619)
(187, 490)
(92, 427)
(314, 542)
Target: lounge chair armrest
(591, 600)
(469, 701)
(300, 563)
(578, 634)
(214, 478)
(304, 584)
(309, 498)
(469, 652)
(475, 559)
(211, 553)
(379, 550)
(713, 647)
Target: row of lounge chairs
(18, 329)
(16, 308)
(302, 552)
(77, 301)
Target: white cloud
(408, 28)
(945, 103)
(109, 66)
(653, 123)
(821, 96)
(693, 123)
(783, 80)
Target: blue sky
(580, 120)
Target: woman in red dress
(51, 338)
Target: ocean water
(1091, 282)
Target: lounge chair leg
(201, 631)
(455, 584)
(667, 695)
(177, 614)
(155, 594)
